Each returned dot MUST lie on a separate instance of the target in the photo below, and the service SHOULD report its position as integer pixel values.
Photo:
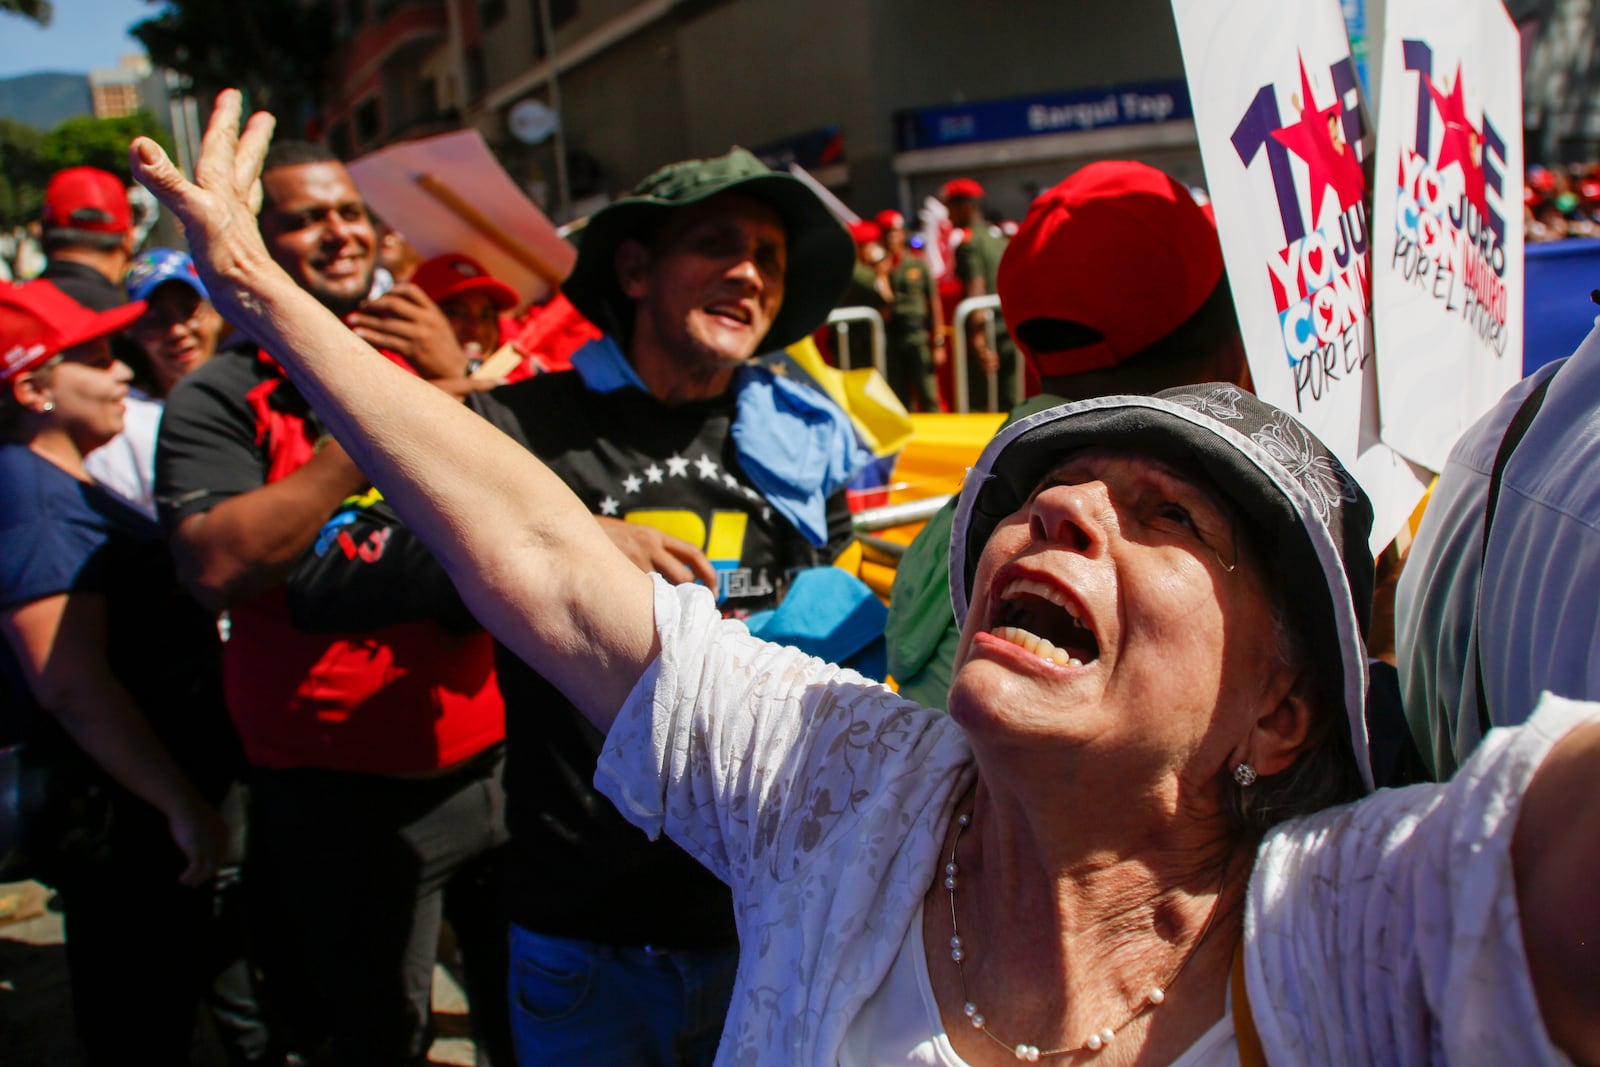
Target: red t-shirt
(404, 699)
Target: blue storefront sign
(1034, 116)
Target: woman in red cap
(105, 658)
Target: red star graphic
(1318, 139)
(1462, 142)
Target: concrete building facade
(871, 96)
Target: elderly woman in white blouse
(1136, 837)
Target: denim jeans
(588, 1005)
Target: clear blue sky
(84, 34)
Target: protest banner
(1283, 136)
(1447, 221)
(449, 194)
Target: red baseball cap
(865, 231)
(959, 188)
(38, 321)
(452, 274)
(1118, 247)
(86, 198)
(889, 219)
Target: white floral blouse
(1383, 932)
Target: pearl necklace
(1097, 1040)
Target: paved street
(36, 1025)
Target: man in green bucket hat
(702, 466)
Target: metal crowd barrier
(959, 356)
(840, 319)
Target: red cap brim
(103, 324)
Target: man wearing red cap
(977, 257)
(915, 349)
(88, 234)
(1113, 284)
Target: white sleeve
(755, 757)
(1386, 932)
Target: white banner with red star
(1447, 220)
(1283, 134)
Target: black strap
(1514, 433)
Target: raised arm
(526, 555)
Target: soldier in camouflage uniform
(977, 263)
(915, 321)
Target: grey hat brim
(819, 256)
(1324, 589)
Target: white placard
(1447, 221)
(471, 176)
(1283, 134)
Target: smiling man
(701, 467)
(375, 751)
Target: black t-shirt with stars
(577, 868)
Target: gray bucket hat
(820, 252)
(1312, 516)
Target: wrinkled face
(1104, 614)
(316, 227)
(88, 388)
(178, 331)
(712, 283)
(475, 320)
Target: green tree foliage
(28, 157)
(103, 143)
(23, 173)
(37, 10)
(276, 51)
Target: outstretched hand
(218, 209)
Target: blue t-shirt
(60, 535)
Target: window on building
(339, 139)
(561, 12)
(368, 122)
(477, 74)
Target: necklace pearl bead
(1157, 995)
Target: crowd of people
(1561, 202)
(361, 639)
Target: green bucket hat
(820, 252)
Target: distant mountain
(44, 101)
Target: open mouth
(1040, 619)
(734, 312)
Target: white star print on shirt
(632, 483)
(706, 465)
(677, 466)
(608, 506)
(653, 474)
